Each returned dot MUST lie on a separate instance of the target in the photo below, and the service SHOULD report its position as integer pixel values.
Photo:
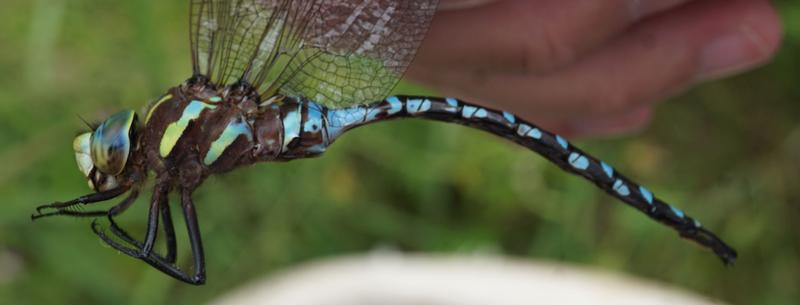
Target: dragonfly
(281, 80)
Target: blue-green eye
(111, 142)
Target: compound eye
(81, 146)
(111, 142)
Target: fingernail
(732, 53)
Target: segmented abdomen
(551, 146)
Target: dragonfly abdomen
(290, 129)
(551, 146)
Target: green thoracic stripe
(234, 129)
(153, 108)
(175, 130)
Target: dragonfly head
(103, 153)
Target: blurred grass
(727, 153)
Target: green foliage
(726, 152)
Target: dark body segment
(279, 80)
(198, 129)
(232, 129)
(551, 146)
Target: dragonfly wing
(335, 52)
(232, 38)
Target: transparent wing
(335, 52)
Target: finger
(445, 5)
(660, 57)
(638, 7)
(529, 36)
(628, 122)
(613, 125)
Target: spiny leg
(122, 234)
(85, 199)
(190, 215)
(71, 213)
(116, 210)
(169, 229)
(136, 245)
(169, 233)
(153, 259)
(161, 202)
(156, 261)
(124, 205)
(166, 265)
(152, 219)
(119, 208)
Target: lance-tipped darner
(279, 80)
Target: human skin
(590, 68)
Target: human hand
(590, 67)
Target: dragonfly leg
(71, 214)
(159, 197)
(169, 234)
(135, 250)
(169, 231)
(124, 205)
(153, 259)
(166, 215)
(164, 264)
(61, 207)
(195, 240)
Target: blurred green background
(726, 152)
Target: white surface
(390, 279)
